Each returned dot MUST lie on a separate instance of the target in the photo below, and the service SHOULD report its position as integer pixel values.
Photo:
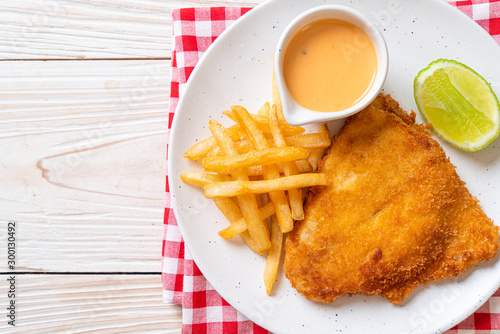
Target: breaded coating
(395, 215)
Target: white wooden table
(84, 97)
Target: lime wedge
(459, 103)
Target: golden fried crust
(395, 216)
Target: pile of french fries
(258, 171)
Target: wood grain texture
(90, 304)
(82, 29)
(83, 163)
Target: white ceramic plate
(237, 69)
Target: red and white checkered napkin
(204, 310)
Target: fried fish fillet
(396, 214)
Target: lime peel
(459, 103)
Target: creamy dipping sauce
(329, 65)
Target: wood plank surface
(83, 163)
(83, 134)
(89, 304)
(83, 29)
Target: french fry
(214, 152)
(309, 140)
(248, 204)
(278, 197)
(263, 123)
(265, 156)
(261, 113)
(317, 153)
(229, 209)
(273, 256)
(199, 179)
(240, 225)
(289, 168)
(243, 146)
(276, 99)
(233, 214)
(201, 148)
(264, 110)
(303, 166)
(260, 119)
(262, 200)
(303, 140)
(236, 188)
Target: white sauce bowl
(294, 113)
